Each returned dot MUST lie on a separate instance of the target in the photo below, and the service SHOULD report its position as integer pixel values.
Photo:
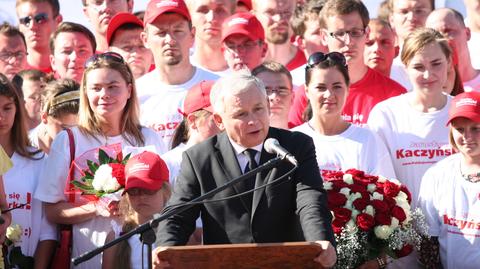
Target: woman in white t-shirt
(339, 145)
(450, 192)
(413, 125)
(108, 115)
(38, 236)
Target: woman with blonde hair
(108, 115)
(413, 125)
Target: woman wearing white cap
(450, 191)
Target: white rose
(111, 184)
(355, 214)
(349, 205)
(103, 173)
(377, 196)
(371, 187)
(14, 233)
(347, 178)
(383, 231)
(345, 191)
(394, 223)
(327, 185)
(354, 196)
(396, 181)
(402, 195)
(382, 179)
(369, 210)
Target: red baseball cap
(243, 23)
(198, 97)
(118, 20)
(247, 3)
(145, 170)
(465, 105)
(156, 8)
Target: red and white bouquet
(371, 217)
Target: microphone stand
(147, 234)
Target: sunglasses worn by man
(39, 18)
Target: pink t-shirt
(297, 61)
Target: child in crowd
(146, 192)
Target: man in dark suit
(294, 210)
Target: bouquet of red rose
(97, 173)
(371, 217)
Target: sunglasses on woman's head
(319, 57)
(110, 56)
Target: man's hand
(327, 257)
(157, 263)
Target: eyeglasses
(8, 56)
(140, 191)
(109, 56)
(280, 91)
(341, 35)
(40, 18)
(242, 47)
(318, 57)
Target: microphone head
(270, 144)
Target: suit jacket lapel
(227, 159)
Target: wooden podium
(243, 256)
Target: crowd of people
(192, 88)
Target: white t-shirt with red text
(159, 102)
(356, 147)
(20, 183)
(415, 140)
(452, 208)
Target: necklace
(474, 178)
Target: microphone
(272, 146)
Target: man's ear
(324, 38)
(191, 121)
(130, 6)
(264, 49)
(44, 117)
(299, 42)
(397, 50)
(58, 19)
(144, 37)
(52, 61)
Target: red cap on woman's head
(465, 105)
(145, 170)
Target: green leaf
(103, 157)
(82, 186)
(92, 166)
(124, 161)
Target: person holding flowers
(450, 192)
(339, 144)
(38, 235)
(108, 115)
(146, 192)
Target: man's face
(245, 118)
(37, 23)
(241, 52)
(100, 12)
(408, 15)
(12, 55)
(169, 39)
(207, 18)
(346, 34)
(451, 28)
(274, 15)
(71, 52)
(280, 95)
(312, 38)
(128, 43)
(32, 91)
(380, 48)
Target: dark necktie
(252, 164)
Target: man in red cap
(169, 34)
(99, 13)
(207, 18)
(123, 37)
(243, 41)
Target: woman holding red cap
(450, 192)
(146, 192)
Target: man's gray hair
(234, 84)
